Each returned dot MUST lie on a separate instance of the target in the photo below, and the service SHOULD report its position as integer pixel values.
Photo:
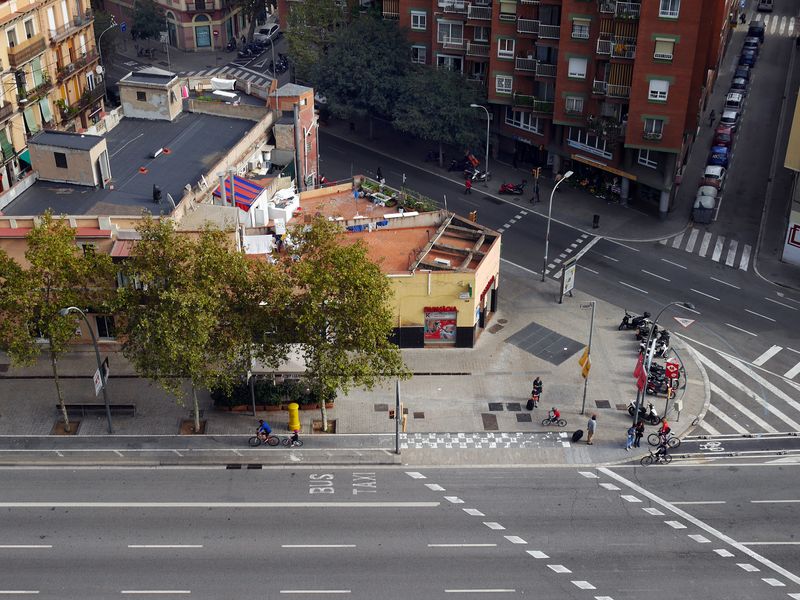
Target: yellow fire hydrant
(294, 416)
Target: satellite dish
(99, 69)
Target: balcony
(619, 91)
(475, 49)
(391, 9)
(451, 43)
(201, 6)
(534, 2)
(628, 10)
(22, 53)
(86, 100)
(549, 32)
(599, 87)
(6, 111)
(652, 135)
(545, 70)
(457, 7)
(508, 17)
(480, 12)
(525, 64)
(623, 48)
(66, 71)
(532, 102)
(26, 97)
(608, 6)
(77, 23)
(527, 26)
(604, 47)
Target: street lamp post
(648, 357)
(100, 54)
(593, 304)
(566, 176)
(64, 312)
(488, 119)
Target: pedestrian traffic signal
(473, 216)
(536, 172)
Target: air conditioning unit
(442, 261)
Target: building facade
(611, 90)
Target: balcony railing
(628, 10)
(454, 6)
(549, 32)
(22, 53)
(525, 64)
(452, 43)
(545, 70)
(63, 31)
(527, 26)
(201, 6)
(619, 91)
(86, 100)
(604, 47)
(608, 6)
(475, 49)
(536, 2)
(532, 102)
(480, 12)
(652, 135)
(75, 66)
(599, 87)
(623, 48)
(25, 97)
(6, 111)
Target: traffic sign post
(585, 360)
(567, 278)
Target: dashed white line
(633, 287)
(654, 275)
(704, 294)
(163, 546)
(483, 591)
(752, 312)
(19, 592)
(537, 554)
(773, 582)
(748, 567)
(434, 487)
(701, 502)
(675, 524)
(723, 552)
(611, 258)
(700, 539)
(736, 287)
(515, 539)
(153, 592)
(588, 269)
(779, 303)
(588, 474)
(774, 501)
(767, 355)
(454, 499)
(584, 585)
(742, 330)
(462, 545)
(609, 486)
(493, 525)
(317, 546)
(473, 512)
(653, 511)
(315, 591)
(25, 546)
(415, 475)
(559, 568)
(629, 498)
(674, 264)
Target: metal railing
(599, 87)
(535, 2)
(619, 91)
(662, 56)
(480, 12)
(652, 135)
(475, 49)
(201, 6)
(546, 70)
(527, 26)
(532, 102)
(454, 6)
(74, 25)
(525, 64)
(25, 97)
(580, 34)
(628, 10)
(75, 66)
(604, 47)
(87, 99)
(549, 32)
(623, 48)
(608, 6)
(6, 110)
(452, 43)
(22, 53)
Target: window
(574, 104)
(419, 20)
(450, 33)
(664, 49)
(659, 89)
(481, 34)
(647, 158)
(419, 54)
(88, 248)
(669, 8)
(105, 326)
(580, 29)
(503, 84)
(451, 63)
(505, 48)
(653, 129)
(30, 31)
(61, 160)
(577, 68)
(523, 120)
(588, 142)
(11, 34)
(141, 96)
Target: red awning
(246, 192)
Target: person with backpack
(629, 441)
(536, 391)
(639, 433)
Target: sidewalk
(451, 391)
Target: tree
(342, 320)
(148, 20)
(310, 27)
(435, 106)
(252, 10)
(187, 316)
(362, 72)
(108, 43)
(59, 275)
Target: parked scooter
(631, 322)
(458, 164)
(657, 385)
(477, 175)
(231, 46)
(661, 345)
(644, 330)
(516, 189)
(649, 414)
(246, 52)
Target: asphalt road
(692, 531)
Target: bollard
(294, 416)
(595, 221)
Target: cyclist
(554, 414)
(264, 430)
(295, 437)
(663, 431)
(661, 451)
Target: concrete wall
(242, 111)
(159, 104)
(412, 293)
(80, 169)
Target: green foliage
(362, 72)
(148, 20)
(311, 25)
(108, 43)
(252, 10)
(267, 393)
(435, 106)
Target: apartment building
(611, 90)
(50, 76)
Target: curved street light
(64, 312)
(488, 119)
(566, 176)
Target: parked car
(708, 191)
(756, 29)
(730, 118)
(765, 5)
(748, 58)
(752, 42)
(734, 101)
(739, 85)
(719, 156)
(723, 136)
(267, 33)
(742, 72)
(714, 176)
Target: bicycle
(553, 421)
(260, 438)
(671, 441)
(656, 457)
(289, 443)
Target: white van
(765, 5)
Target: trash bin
(595, 221)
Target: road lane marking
(155, 591)
(773, 582)
(588, 269)
(462, 545)
(731, 259)
(744, 410)
(770, 543)
(172, 546)
(610, 486)
(454, 499)
(791, 373)
(700, 539)
(653, 511)
(611, 258)
(629, 498)
(729, 421)
(779, 303)
(315, 591)
(767, 355)
(675, 524)
(584, 585)
(559, 568)
(415, 475)
(724, 553)
(318, 545)
(704, 245)
(493, 525)
(745, 261)
(537, 554)
(588, 474)
(700, 502)
(654, 275)
(621, 244)
(633, 287)
(708, 428)
(748, 567)
(24, 546)
(752, 312)
(763, 383)
(676, 241)
(774, 501)
(19, 592)
(702, 525)
(526, 269)
(736, 287)
(742, 330)
(674, 264)
(704, 294)
(483, 591)
(692, 239)
(434, 487)
(219, 504)
(718, 248)
(473, 512)
(515, 539)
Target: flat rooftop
(195, 141)
(342, 204)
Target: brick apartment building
(611, 90)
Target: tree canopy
(311, 25)
(148, 20)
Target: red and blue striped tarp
(246, 192)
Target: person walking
(712, 116)
(379, 175)
(639, 433)
(629, 441)
(536, 391)
(535, 197)
(468, 186)
(591, 427)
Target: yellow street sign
(584, 357)
(586, 368)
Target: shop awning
(246, 192)
(604, 167)
(25, 157)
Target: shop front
(441, 324)
(600, 180)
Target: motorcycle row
(657, 382)
(468, 165)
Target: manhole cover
(381, 407)
(495, 406)
(489, 422)
(495, 328)
(513, 406)
(419, 415)
(621, 406)
(523, 417)
(502, 321)
(602, 404)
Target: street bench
(97, 406)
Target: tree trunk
(441, 155)
(324, 414)
(54, 363)
(196, 409)
(252, 27)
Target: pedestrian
(631, 434)
(536, 391)
(639, 433)
(712, 116)
(591, 427)
(379, 174)
(468, 186)
(743, 17)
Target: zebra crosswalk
(777, 24)
(232, 71)
(706, 245)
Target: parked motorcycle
(631, 322)
(650, 415)
(516, 189)
(657, 385)
(458, 164)
(661, 345)
(245, 52)
(477, 175)
(644, 330)
(231, 46)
